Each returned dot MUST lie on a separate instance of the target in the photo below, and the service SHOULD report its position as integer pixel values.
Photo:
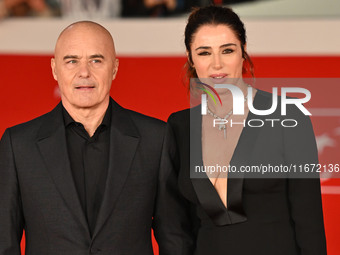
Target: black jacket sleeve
(11, 216)
(304, 186)
(171, 222)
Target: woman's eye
(228, 51)
(203, 53)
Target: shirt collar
(68, 120)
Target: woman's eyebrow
(222, 46)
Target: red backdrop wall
(153, 86)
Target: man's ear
(54, 71)
(115, 69)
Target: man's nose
(84, 70)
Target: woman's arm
(304, 188)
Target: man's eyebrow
(222, 46)
(97, 56)
(70, 56)
(77, 57)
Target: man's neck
(91, 118)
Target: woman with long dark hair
(234, 212)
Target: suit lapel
(241, 156)
(53, 148)
(205, 191)
(124, 139)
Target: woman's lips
(219, 75)
(219, 78)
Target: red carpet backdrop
(150, 76)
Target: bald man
(90, 177)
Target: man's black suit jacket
(37, 192)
